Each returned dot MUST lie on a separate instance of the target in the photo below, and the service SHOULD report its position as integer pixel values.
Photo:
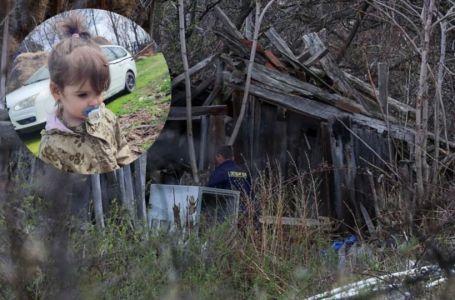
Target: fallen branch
(383, 283)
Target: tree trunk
(154, 20)
(438, 101)
(114, 24)
(422, 101)
(3, 62)
(92, 14)
(189, 121)
(257, 26)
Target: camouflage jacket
(87, 148)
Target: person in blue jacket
(227, 174)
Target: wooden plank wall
(291, 143)
(369, 160)
(355, 150)
(331, 155)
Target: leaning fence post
(122, 175)
(139, 186)
(97, 202)
(129, 194)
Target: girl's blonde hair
(77, 58)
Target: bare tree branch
(189, 120)
(257, 25)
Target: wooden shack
(306, 115)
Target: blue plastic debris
(349, 241)
(338, 244)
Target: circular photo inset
(89, 91)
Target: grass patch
(33, 145)
(152, 75)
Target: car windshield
(41, 74)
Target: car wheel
(130, 82)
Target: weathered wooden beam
(195, 92)
(350, 171)
(309, 57)
(299, 104)
(287, 53)
(197, 67)
(140, 165)
(228, 23)
(324, 141)
(216, 135)
(217, 85)
(304, 55)
(316, 57)
(290, 84)
(281, 45)
(272, 220)
(315, 45)
(240, 48)
(336, 147)
(203, 143)
(396, 131)
(368, 89)
(121, 180)
(197, 111)
(129, 192)
(324, 111)
(97, 201)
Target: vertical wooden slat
(256, 140)
(216, 135)
(268, 135)
(139, 186)
(121, 181)
(251, 138)
(336, 151)
(280, 151)
(97, 201)
(293, 130)
(129, 192)
(324, 136)
(351, 173)
(203, 142)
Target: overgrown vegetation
(274, 261)
(254, 261)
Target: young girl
(81, 135)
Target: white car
(29, 105)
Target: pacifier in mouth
(93, 114)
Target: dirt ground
(142, 128)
